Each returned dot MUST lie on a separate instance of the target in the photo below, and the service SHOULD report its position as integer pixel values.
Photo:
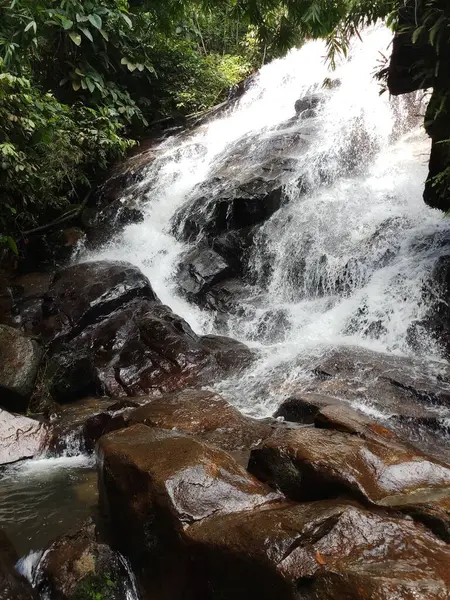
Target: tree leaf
(131, 67)
(87, 33)
(76, 85)
(127, 20)
(12, 244)
(124, 61)
(66, 23)
(31, 24)
(104, 34)
(75, 37)
(90, 85)
(96, 21)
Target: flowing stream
(343, 262)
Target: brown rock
(343, 418)
(77, 567)
(153, 484)
(310, 464)
(319, 551)
(303, 408)
(20, 437)
(12, 585)
(206, 415)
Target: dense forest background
(81, 82)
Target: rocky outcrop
(108, 334)
(19, 362)
(195, 525)
(20, 437)
(78, 567)
(205, 415)
(199, 270)
(369, 464)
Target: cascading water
(345, 259)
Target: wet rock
(205, 415)
(233, 246)
(199, 270)
(71, 375)
(12, 585)
(321, 550)
(81, 294)
(20, 437)
(343, 418)
(403, 390)
(78, 567)
(154, 483)
(303, 408)
(307, 103)
(310, 464)
(230, 354)
(228, 296)
(26, 293)
(250, 204)
(19, 362)
(81, 424)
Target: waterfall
(345, 258)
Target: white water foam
(346, 261)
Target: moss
(96, 587)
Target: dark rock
(227, 296)
(248, 205)
(19, 362)
(343, 418)
(233, 246)
(81, 294)
(303, 408)
(307, 103)
(26, 293)
(72, 375)
(20, 437)
(230, 354)
(321, 550)
(199, 270)
(205, 415)
(12, 585)
(311, 464)
(78, 567)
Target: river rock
(26, 293)
(78, 567)
(303, 408)
(321, 550)
(12, 585)
(405, 391)
(72, 374)
(154, 483)
(20, 437)
(82, 294)
(310, 464)
(205, 415)
(233, 247)
(199, 270)
(230, 354)
(19, 362)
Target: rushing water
(344, 261)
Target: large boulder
(368, 464)
(83, 293)
(109, 335)
(25, 294)
(205, 415)
(318, 551)
(19, 362)
(153, 484)
(20, 437)
(78, 567)
(13, 586)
